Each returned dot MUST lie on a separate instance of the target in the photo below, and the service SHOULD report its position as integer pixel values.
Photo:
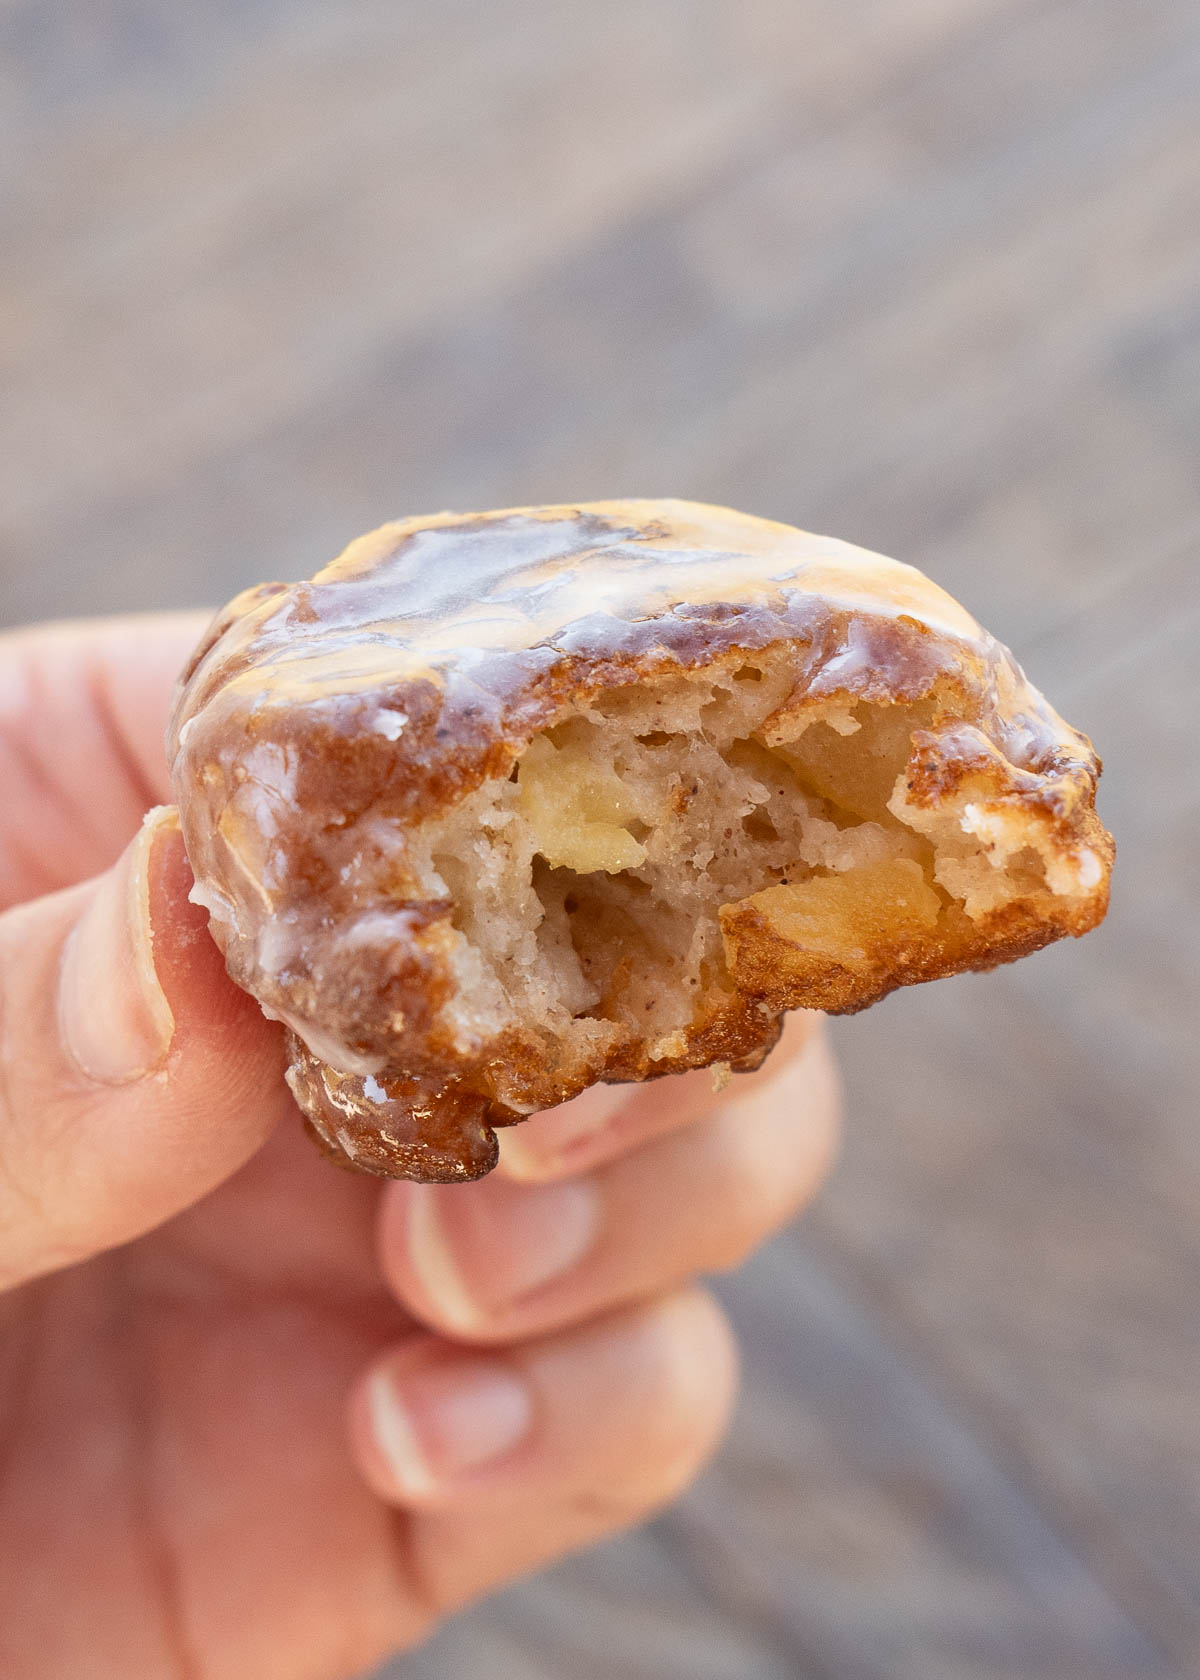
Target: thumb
(134, 1075)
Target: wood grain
(922, 272)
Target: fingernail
(553, 1139)
(486, 1247)
(114, 1017)
(433, 1425)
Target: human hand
(258, 1416)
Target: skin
(257, 1415)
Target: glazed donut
(499, 805)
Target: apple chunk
(840, 916)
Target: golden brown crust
(421, 663)
(778, 972)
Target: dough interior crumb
(603, 890)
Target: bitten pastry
(503, 804)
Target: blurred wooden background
(923, 273)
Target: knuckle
(632, 1495)
(757, 1195)
(683, 1412)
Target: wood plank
(180, 277)
(197, 411)
(855, 1509)
(1022, 1185)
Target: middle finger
(499, 1261)
(610, 1120)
